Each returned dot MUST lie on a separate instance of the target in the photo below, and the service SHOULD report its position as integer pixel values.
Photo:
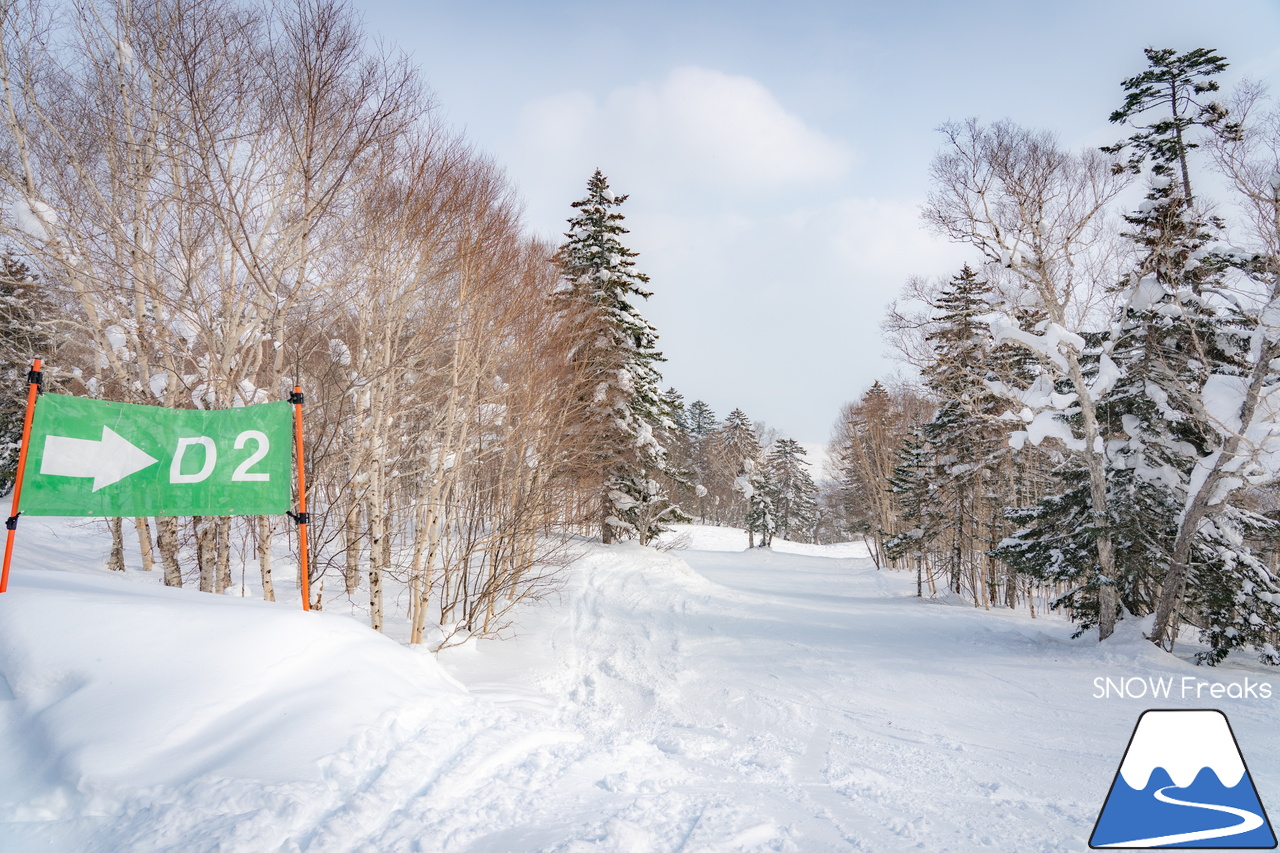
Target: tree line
(207, 203)
(1094, 416)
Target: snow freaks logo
(1186, 687)
(1183, 783)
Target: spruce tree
(1174, 336)
(912, 486)
(758, 488)
(1172, 86)
(679, 476)
(700, 423)
(791, 490)
(736, 450)
(963, 429)
(24, 333)
(617, 352)
(700, 420)
(1179, 331)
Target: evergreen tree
(734, 450)
(1174, 336)
(680, 474)
(700, 420)
(758, 488)
(791, 490)
(24, 334)
(1172, 86)
(617, 351)
(964, 427)
(1181, 329)
(700, 423)
(673, 401)
(912, 486)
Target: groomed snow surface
(701, 699)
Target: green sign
(90, 457)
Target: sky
(776, 156)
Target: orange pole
(33, 390)
(301, 517)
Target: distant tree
(735, 450)
(864, 450)
(791, 490)
(700, 420)
(912, 486)
(673, 401)
(758, 488)
(617, 351)
(700, 424)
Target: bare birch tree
(1039, 212)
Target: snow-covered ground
(701, 699)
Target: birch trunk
(222, 550)
(115, 562)
(265, 527)
(143, 528)
(167, 545)
(206, 553)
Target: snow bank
(107, 687)
(701, 537)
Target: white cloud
(769, 270)
(696, 126)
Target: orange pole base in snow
(33, 391)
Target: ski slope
(703, 699)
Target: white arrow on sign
(107, 461)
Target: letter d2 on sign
(91, 457)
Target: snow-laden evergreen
(758, 487)
(700, 424)
(737, 453)
(791, 491)
(967, 447)
(1180, 333)
(618, 356)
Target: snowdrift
(108, 688)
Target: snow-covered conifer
(618, 356)
(700, 423)
(757, 487)
(912, 485)
(791, 490)
(735, 449)
(1180, 333)
(700, 420)
(964, 431)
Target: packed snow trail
(706, 700)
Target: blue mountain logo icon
(1183, 783)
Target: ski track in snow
(701, 701)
